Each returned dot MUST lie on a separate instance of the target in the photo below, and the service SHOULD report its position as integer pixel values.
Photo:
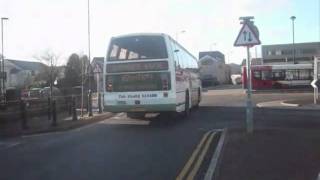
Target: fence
(24, 111)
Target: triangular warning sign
(247, 37)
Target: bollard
(23, 112)
(69, 102)
(99, 103)
(90, 103)
(54, 113)
(74, 110)
(49, 108)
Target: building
(283, 53)
(213, 70)
(254, 62)
(21, 73)
(234, 68)
(215, 54)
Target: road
(153, 148)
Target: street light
(213, 46)
(3, 89)
(228, 56)
(83, 64)
(179, 32)
(89, 57)
(293, 46)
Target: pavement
(297, 102)
(42, 124)
(271, 154)
(157, 147)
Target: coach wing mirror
(177, 50)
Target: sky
(35, 26)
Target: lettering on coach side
(132, 96)
(121, 96)
(149, 95)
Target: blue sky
(37, 25)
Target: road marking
(13, 144)
(9, 145)
(186, 168)
(84, 127)
(121, 119)
(201, 157)
(216, 156)
(42, 134)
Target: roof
(139, 34)
(98, 60)
(216, 54)
(290, 44)
(97, 64)
(27, 65)
(208, 57)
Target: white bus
(150, 72)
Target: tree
(76, 70)
(49, 58)
(72, 72)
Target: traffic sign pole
(249, 111)
(248, 37)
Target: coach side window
(175, 50)
(181, 57)
(257, 75)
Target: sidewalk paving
(267, 154)
(41, 124)
(305, 103)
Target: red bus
(279, 76)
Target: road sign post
(249, 111)
(248, 37)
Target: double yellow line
(191, 168)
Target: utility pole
(89, 56)
(3, 73)
(293, 45)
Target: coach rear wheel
(198, 100)
(136, 115)
(187, 105)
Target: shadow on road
(235, 117)
(219, 117)
(222, 87)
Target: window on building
(286, 52)
(308, 51)
(207, 62)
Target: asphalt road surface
(152, 148)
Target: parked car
(34, 93)
(45, 92)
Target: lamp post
(228, 58)
(293, 46)
(89, 57)
(3, 89)
(213, 46)
(179, 32)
